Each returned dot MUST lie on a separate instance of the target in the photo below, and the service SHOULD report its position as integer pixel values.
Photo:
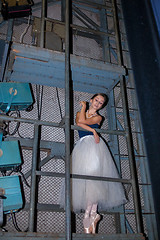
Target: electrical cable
(20, 134)
(4, 230)
(25, 30)
(15, 223)
(3, 173)
(17, 125)
(59, 103)
(18, 170)
(39, 100)
(24, 179)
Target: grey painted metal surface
(53, 124)
(42, 33)
(29, 64)
(68, 91)
(32, 219)
(6, 48)
(43, 66)
(136, 195)
(114, 146)
(146, 67)
(50, 236)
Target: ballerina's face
(97, 102)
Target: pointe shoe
(86, 220)
(87, 212)
(94, 220)
(87, 225)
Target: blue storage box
(13, 201)
(9, 155)
(15, 96)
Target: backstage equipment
(16, 8)
(15, 96)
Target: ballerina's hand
(96, 137)
(82, 103)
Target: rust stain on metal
(15, 50)
(35, 59)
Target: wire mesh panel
(51, 222)
(20, 224)
(49, 106)
(131, 222)
(123, 148)
(88, 26)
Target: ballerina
(91, 156)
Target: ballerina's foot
(87, 225)
(94, 220)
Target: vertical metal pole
(63, 7)
(135, 186)
(33, 180)
(114, 146)
(10, 30)
(117, 33)
(67, 124)
(105, 39)
(6, 49)
(42, 34)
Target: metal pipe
(76, 27)
(43, 162)
(42, 34)
(10, 30)
(85, 17)
(86, 177)
(132, 162)
(67, 123)
(92, 4)
(6, 49)
(4, 62)
(53, 124)
(63, 7)
(32, 210)
(117, 33)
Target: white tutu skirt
(90, 158)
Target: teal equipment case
(15, 96)
(9, 155)
(13, 195)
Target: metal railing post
(67, 125)
(32, 210)
(134, 178)
(6, 49)
(42, 33)
(117, 33)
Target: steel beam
(53, 124)
(67, 122)
(51, 236)
(42, 32)
(32, 218)
(135, 187)
(6, 49)
(145, 52)
(117, 33)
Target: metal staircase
(50, 70)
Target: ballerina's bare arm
(81, 116)
(86, 127)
